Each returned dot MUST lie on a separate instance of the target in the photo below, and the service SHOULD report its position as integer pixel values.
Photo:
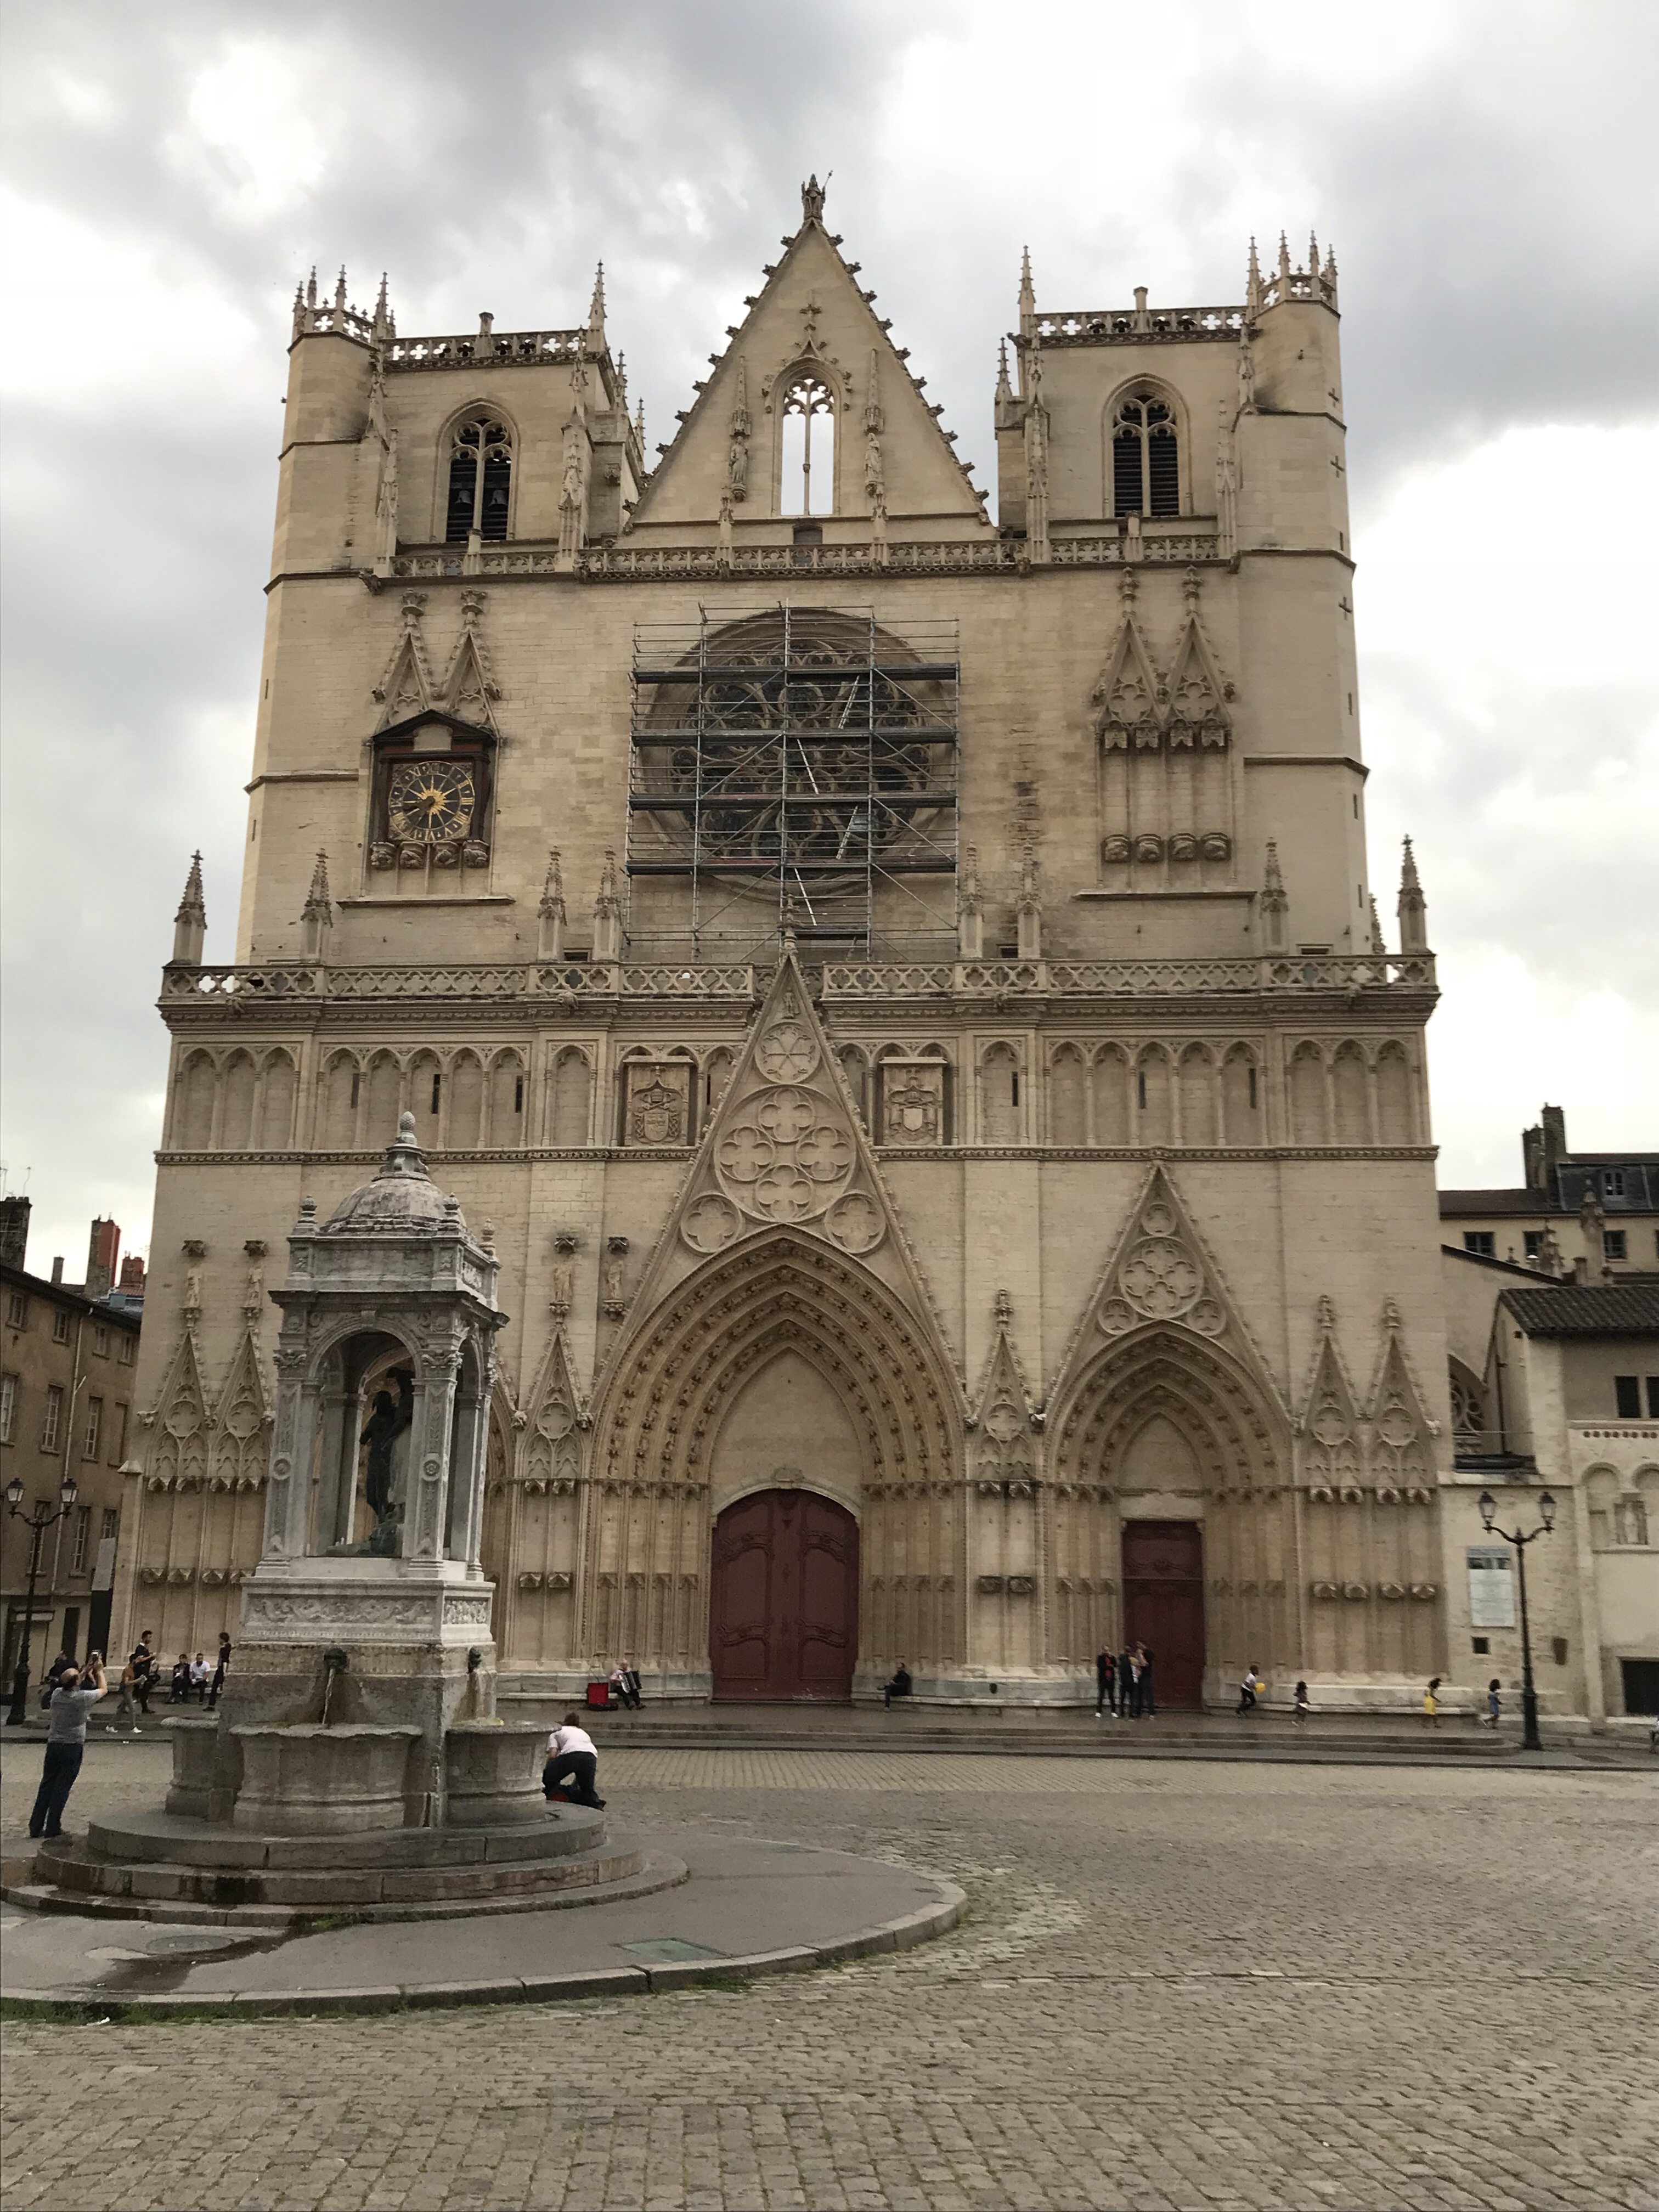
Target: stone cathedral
(895, 993)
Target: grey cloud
(1497, 236)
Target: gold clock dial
(430, 802)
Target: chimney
(58, 1269)
(13, 1231)
(103, 1253)
(1555, 1138)
(132, 1275)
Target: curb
(901, 1934)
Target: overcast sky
(1486, 174)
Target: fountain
(357, 1763)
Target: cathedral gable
(1161, 1275)
(785, 1150)
(812, 323)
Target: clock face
(430, 802)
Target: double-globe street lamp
(1530, 1740)
(37, 1524)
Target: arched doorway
(784, 1598)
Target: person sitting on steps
(572, 1764)
(900, 1687)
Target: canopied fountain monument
(361, 1697)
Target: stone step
(159, 1838)
(611, 1874)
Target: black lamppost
(37, 1524)
(1530, 1740)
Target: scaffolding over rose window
(793, 768)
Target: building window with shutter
(480, 481)
(54, 1419)
(94, 1428)
(1146, 457)
(7, 1407)
(82, 1531)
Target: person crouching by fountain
(572, 1764)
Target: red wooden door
(1164, 1605)
(783, 1606)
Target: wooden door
(784, 1598)
(1164, 1605)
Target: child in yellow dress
(1432, 1704)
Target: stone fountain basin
(307, 1778)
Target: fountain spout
(334, 1663)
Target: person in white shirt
(572, 1763)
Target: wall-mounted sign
(1492, 1586)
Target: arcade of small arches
(1348, 1092)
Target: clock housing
(432, 817)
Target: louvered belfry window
(480, 481)
(1145, 461)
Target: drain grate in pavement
(669, 1951)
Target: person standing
(66, 1744)
(222, 1668)
(1300, 1707)
(634, 1690)
(143, 1662)
(1432, 1704)
(1143, 1681)
(1494, 1712)
(1105, 1682)
(1128, 1686)
(571, 1756)
(126, 1711)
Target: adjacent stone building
(67, 1366)
(1589, 1215)
(903, 991)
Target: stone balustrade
(215, 989)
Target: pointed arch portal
(781, 1370)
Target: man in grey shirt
(66, 1743)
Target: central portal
(783, 1613)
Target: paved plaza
(1179, 1985)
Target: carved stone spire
(1028, 912)
(1027, 295)
(1253, 286)
(1005, 394)
(317, 916)
(1379, 943)
(190, 923)
(811, 200)
(384, 327)
(1274, 902)
(607, 913)
(970, 910)
(340, 292)
(549, 940)
(1413, 909)
(596, 311)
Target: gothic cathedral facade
(899, 992)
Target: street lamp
(37, 1524)
(1530, 1740)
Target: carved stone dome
(402, 1197)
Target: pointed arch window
(1146, 457)
(807, 485)
(480, 480)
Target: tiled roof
(1587, 1310)
(1454, 1202)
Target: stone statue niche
(386, 1362)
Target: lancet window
(1146, 457)
(480, 480)
(807, 485)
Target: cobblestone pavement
(1181, 1986)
